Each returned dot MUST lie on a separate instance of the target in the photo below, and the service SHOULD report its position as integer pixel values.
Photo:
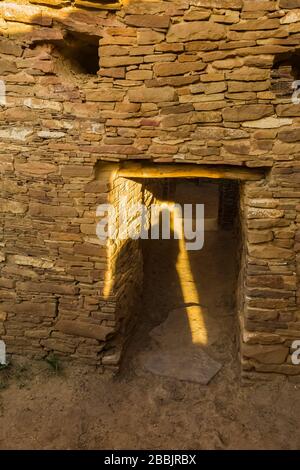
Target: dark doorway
(188, 304)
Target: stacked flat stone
(195, 81)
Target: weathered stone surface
(7, 47)
(46, 210)
(192, 31)
(291, 17)
(89, 249)
(269, 251)
(73, 171)
(48, 287)
(261, 213)
(7, 66)
(289, 135)
(167, 69)
(288, 110)
(87, 330)
(139, 75)
(196, 15)
(149, 37)
(260, 236)
(247, 112)
(54, 3)
(174, 356)
(105, 95)
(30, 308)
(289, 4)
(232, 4)
(273, 354)
(153, 95)
(254, 25)
(118, 61)
(16, 133)
(24, 14)
(268, 123)
(259, 5)
(14, 207)
(31, 261)
(148, 21)
(35, 168)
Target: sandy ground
(77, 408)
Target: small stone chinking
(194, 81)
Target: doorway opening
(187, 324)
(150, 282)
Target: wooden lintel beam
(179, 170)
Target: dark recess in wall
(286, 69)
(81, 53)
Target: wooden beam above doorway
(186, 170)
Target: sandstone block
(148, 21)
(259, 5)
(166, 69)
(105, 95)
(42, 35)
(87, 330)
(32, 261)
(269, 251)
(149, 37)
(43, 309)
(89, 249)
(196, 15)
(151, 95)
(289, 135)
(288, 110)
(266, 354)
(14, 207)
(289, 4)
(260, 213)
(114, 72)
(211, 116)
(35, 168)
(24, 14)
(46, 210)
(47, 287)
(239, 148)
(7, 66)
(248, 74)
(286, 148)
(237, 87)
(174, 120)
(8, 47)
(139, 75)
(271, 122)
(16, 133)
(255, 25)
(76, 171)
(191, 31)
(247, 112)
(54, 344)
(261, 314)
(227, 4)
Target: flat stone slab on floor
(173, 352)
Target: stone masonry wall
(194, 81)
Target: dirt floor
(77, 408)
